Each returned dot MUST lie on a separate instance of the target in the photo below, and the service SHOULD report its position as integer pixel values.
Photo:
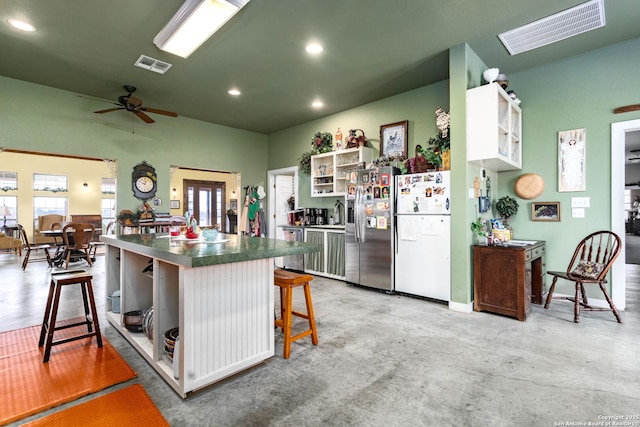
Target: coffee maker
(321, 217)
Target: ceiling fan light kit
(194, 23)
(133, 104)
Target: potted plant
(506, 207)
(480, 231)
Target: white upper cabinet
(330, 171)
(494, 125)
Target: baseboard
(461, 307)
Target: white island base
(224, 313)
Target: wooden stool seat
(287, 281)
(51, 312)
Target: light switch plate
(580, 202)
(577, 212)
(471, 193)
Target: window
(8, 180)
(48, 205)
(108, 186)
(11, 202)
(55, 183)
(108, 212)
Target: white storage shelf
(330, 171)
(209, 308)
(494, 124)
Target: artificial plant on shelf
(322, 142)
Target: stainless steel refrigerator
(423, 235)
(369, 228)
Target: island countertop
(200, 253)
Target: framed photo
(545, 211)
(394, 139)
(571, 160)
(175, 204)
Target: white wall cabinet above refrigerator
(494, 128)
(330, 171)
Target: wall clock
(144, 181)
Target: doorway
(619, 132)
(205, 199)
(283, 184)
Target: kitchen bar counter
(200, 253)
(220, 296)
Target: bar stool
(287, 281)
(51, 312)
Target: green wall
(40, 118)
(578, 92)
(417, 106)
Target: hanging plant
(322, 142)
(305, 162)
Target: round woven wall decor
(529, 186)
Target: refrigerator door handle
(356, 216)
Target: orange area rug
(75, 369)
(130, 406)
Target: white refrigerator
(423, 235)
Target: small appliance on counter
(295, 217)
(321, 217)
(315, 216)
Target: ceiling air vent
(568, 23)
(152, 64)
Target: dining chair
(77, 241)
(591, 262)
(33, 247)
(111, 227)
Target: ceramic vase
(490, 74)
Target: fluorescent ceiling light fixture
(314, 48)
(234, 92)
(317, 104)
(562, 25)
(21, 25)
(194, 23)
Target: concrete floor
(389, 360)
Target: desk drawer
(534, 253)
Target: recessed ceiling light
(21, 25)
(314, 48)
(234, 92)
(317, 104)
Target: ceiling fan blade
(144, 117)
(627, 108)
(108, 110)
(156, 111)
(98, 99)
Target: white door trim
(618, 276)
(292, 170)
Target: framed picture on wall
(545, 211)
(394, 139)
(175, 204)
(571, 160)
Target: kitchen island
(218, 294)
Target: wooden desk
(507, 279)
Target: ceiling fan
(133, 104)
